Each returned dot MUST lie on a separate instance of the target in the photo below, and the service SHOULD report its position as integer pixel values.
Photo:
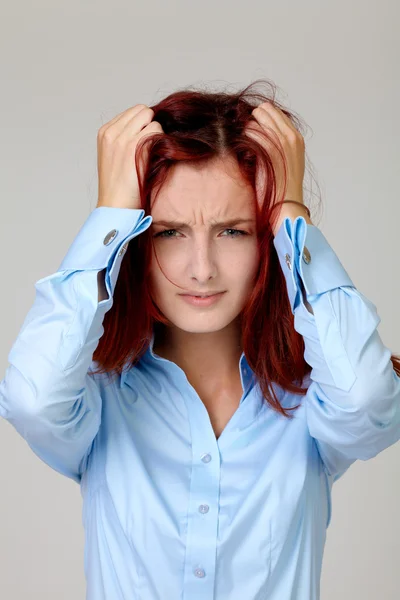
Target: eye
(163, 233)
(236, 231)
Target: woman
(248, 373)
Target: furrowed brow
(180, 225)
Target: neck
(202, 356)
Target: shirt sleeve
(353, 398)
(47, 394)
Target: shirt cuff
(305, 254)
(103, 239)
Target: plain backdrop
(67, 68)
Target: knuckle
(155, 125)
(107, 137)
(292, 136)
(119, 142)
(145, 108)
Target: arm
(353, 400)
(47, 394)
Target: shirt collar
(246, 373)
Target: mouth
(204, 300)
(202, 295)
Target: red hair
(200, 126)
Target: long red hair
(200, 126)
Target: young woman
(201, 363)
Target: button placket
(203, 509)
(202, 527)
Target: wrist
(292, 211)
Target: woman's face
(204, 255)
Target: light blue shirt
(169, 511)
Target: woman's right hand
(116, 146)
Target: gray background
(69, 67)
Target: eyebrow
(180, 225)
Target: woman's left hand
(273, 118)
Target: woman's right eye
(161, 233)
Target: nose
(202, 264)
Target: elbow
(379, 399)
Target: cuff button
(306, 255)
(110, 236)
(123, 249)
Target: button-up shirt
(169, 511)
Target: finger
(266, 114)
(127, 112)
(119, 121)
(148, 130)
(266, 120)
(135, 125)
(283, 121)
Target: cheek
(245, 264)
(171, 259)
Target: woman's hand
(116, 147)
(272, 118)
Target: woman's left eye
(234, 233)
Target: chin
(202, 322)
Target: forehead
(216, 188)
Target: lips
(202, 301)
(202, 295)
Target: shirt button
(206, 458)
(287, 258)
(199, 572)
(204, 508)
